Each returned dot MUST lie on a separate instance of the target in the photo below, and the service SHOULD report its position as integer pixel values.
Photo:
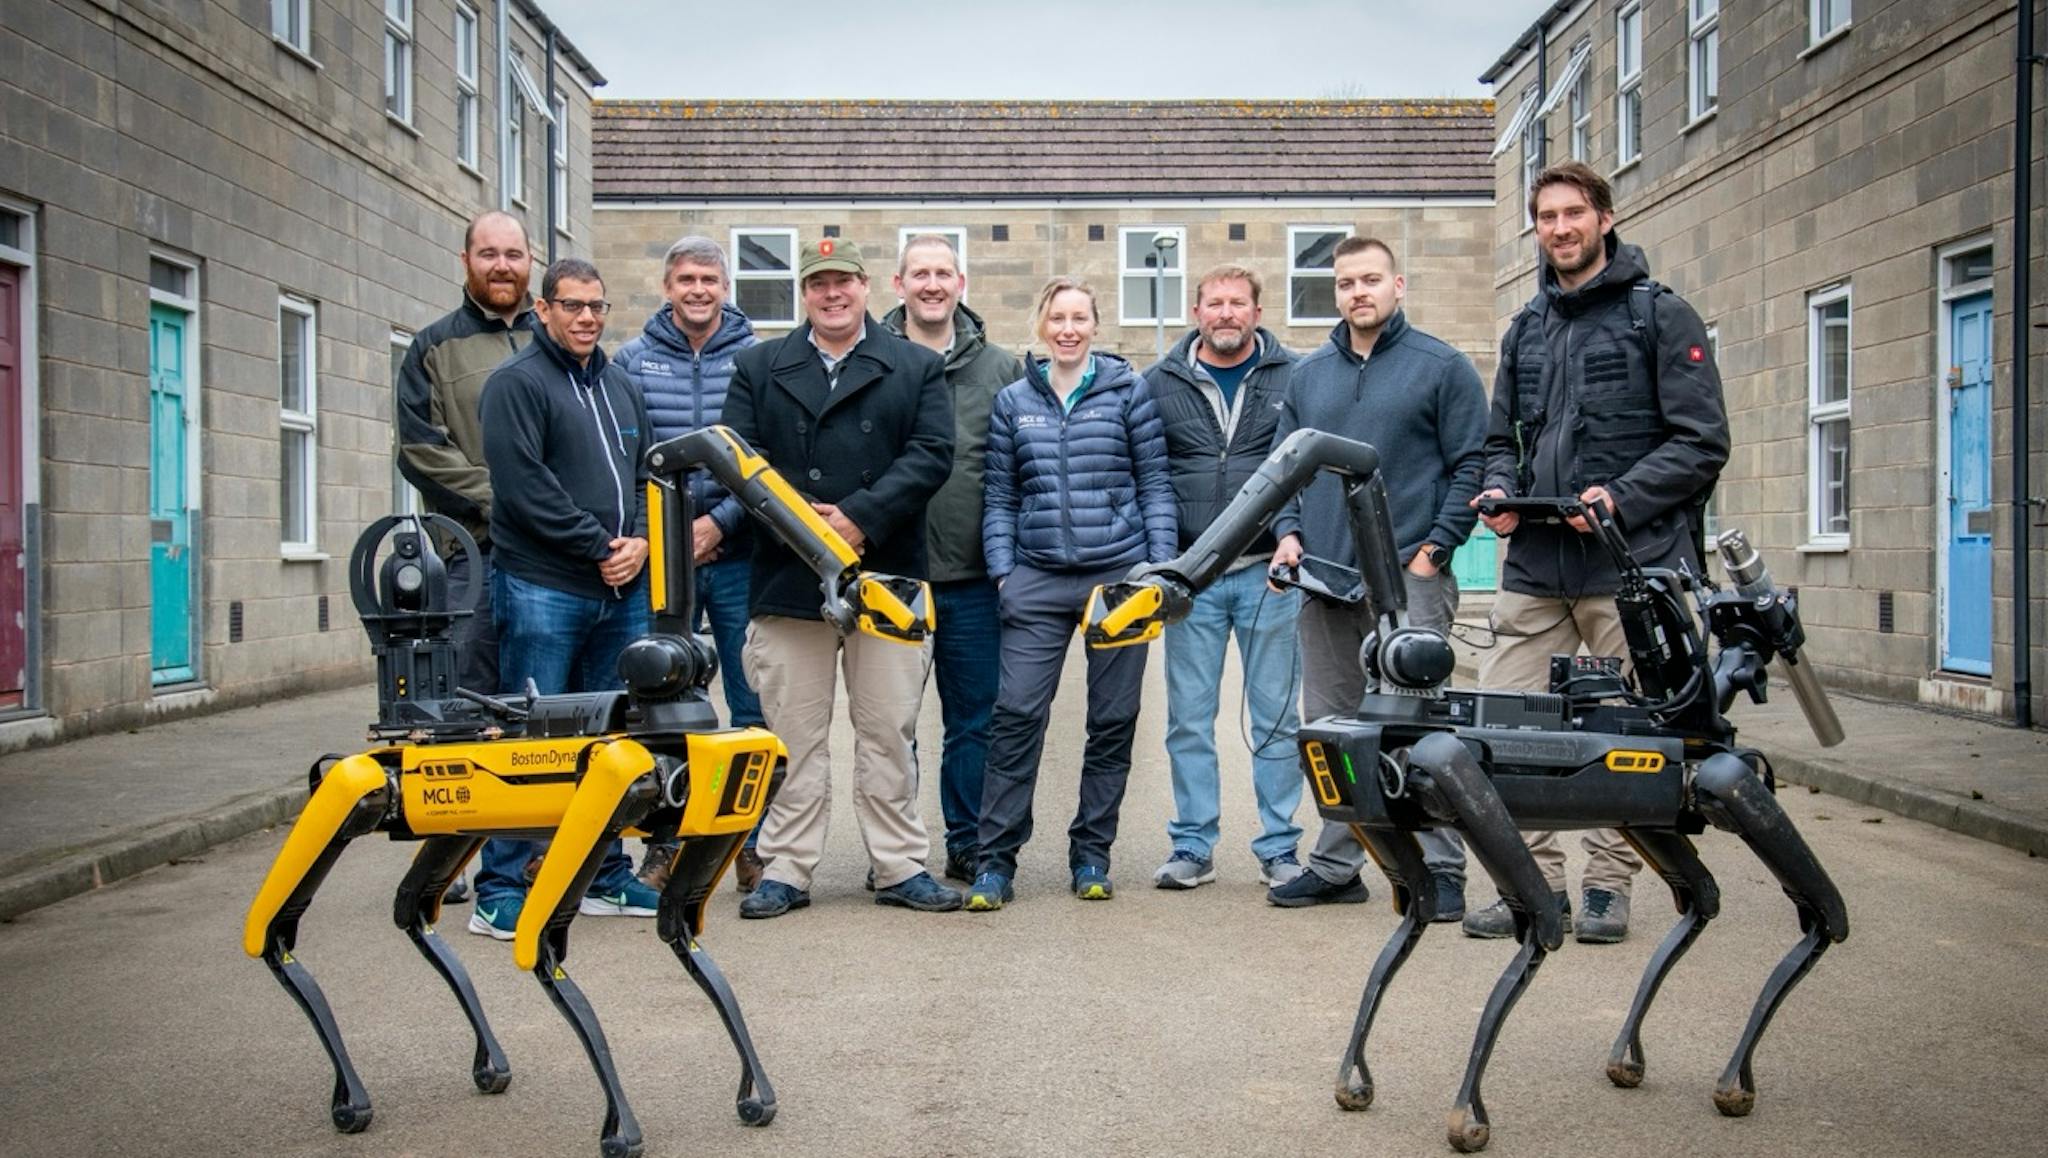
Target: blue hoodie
(685, 391)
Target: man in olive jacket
(857, 419)
(966, 656)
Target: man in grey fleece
(1421, 404)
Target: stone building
(1829, 183)
(219, 224)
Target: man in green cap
(859, 421)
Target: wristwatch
(1439, 557)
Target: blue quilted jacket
(1077, 491)
(685, 391)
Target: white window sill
(519, 201)
(1697, 121)
(304, 57)
(1825, 42)
(1625, 167)
(470, 169)
(1823, 547)
(402, 123)
(1313, 321)
(303, 555)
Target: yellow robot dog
(451, 767)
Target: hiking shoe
(990, 891)
(1279, 870)
(497, 919)
(1184, 870)
(960, 864)
(1310, 889)
(1091, 883)
(656, 864)
(1603, 917)
(458, 891)
(920, 892)
(1450, 901)
(772, 899)
(631, 899)
(1496, 920)
(747, 869)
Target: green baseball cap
(827, 254)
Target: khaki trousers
(1529, 630)
(793, 664)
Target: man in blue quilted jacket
(682, 363)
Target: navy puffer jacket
(685, 391)
(1077, 491)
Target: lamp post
(1162, 244)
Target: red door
(13, 563)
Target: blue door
(1966, 584)
(170, 519)
(1476, 565)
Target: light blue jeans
(1263, 622)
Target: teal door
(1966, 582)
(170, 516)
(1476, 565)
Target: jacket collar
(1180, 360)
(1626, 265)
(586, 374)
(969, 333)
(797, 368)
(522, 318)
(734, 328)
(1389, 335)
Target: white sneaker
(1184, 870)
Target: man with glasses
(564, 435)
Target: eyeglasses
(572, 307)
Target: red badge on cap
(825, 250)
(1697, 354)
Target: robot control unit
(1645, 749)
(449, 767)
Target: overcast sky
(1043, 49)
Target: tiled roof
(1040, 150)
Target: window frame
(1177, 271)
(1703, 59)
(515, 151)
(1817, 12)
(796, 289)
(1531, 162)
(1628, 86)
(398, 60)
(405, 498)
(1296, 271)
(284, 14)
(468, 90)
(1821, 414)
(559, 124)
(302, 424)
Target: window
(1628, 82)
(404, 499)
(1825, 18)
(1575, 86)
(398, 59)
(764, 277)
(466, 99)
(1532, 156)
(1827, 415)
(1311, 273)
(1704, 28)
(1152, 281)
(291, 23)
(515, 149)
(1582, 116)
(298, 425)
(561, 187)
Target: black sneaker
(960, 864)
(1603, 917)
(1310, 889)
(920, 892)
(1496, 920)
(772, 899)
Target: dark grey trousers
(1040, 611)
(1332, 682)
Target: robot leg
(418, 906)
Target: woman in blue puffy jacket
(1076, 491)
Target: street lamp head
(1164, 241)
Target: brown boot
(656, 865)
(747, 870)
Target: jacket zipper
(619, 436)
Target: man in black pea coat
(859, 421)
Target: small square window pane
(292, 487)
(767, 300)
(10, 229)
(1972, 266)
(291, 363)
(1139, 252)
(1313, 297)
(171, 279)
(765, 252)
(1834, 467)
(1316, 251)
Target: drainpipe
(2022, 307)
(504, 103)
(1543, 87)
(555, 212)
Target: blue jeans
(563, 643)
(722, 599)
(1264, 625)
(967, 668)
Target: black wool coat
(878, 447)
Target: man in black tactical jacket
(1607, 391)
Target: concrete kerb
(138, 851)
(1972, 818)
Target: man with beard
(1420, 403)
(1219, 393)
(1606, 390)
(440, 436)
(967, 655)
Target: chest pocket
(1617, 405)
